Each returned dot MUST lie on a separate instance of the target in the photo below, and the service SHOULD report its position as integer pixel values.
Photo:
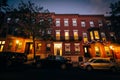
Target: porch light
(17, 41)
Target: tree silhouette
(30, 21)
(115, 19)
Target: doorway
(58, 48)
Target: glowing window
(97, 50)
(67, 48)
(57, 34)
(85, 39)
(96, 35)
(77, 48)
(75, 32)
(91, 35)
(66, 35)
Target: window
(77, 48)
(112, 35)
(16, 20)
(85, 38)
(67, 48)
(8, 20)
(38, 48)
(66, 22)
(48, 47)
(103, 36)
(74, 21)
(97, 50)
(1, 45)
(48, 31)
(18, 45)
(57, 34)
(83, 24)
(91, 24)
(100, 23)
(57, 22)
(91, 35)
(107, 50)
(96, 35)
(75, 32)
(66, 34)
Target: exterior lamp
(17, 43)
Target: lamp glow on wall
(17, 44)
(112, 49)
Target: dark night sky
(72, 6)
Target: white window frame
(92, 24)
(74, 22)
(83, 24)
(57, 22)
(66, 23)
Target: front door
(29, 50)
(58, 48)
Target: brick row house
(73, 36)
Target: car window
(101, 61)
(51, 58)
(60, 58)
(91, 60)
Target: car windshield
(91, 60)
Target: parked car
(53, 62)
(10, 58)
(100, 64)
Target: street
(28, 72)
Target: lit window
(85, 38)
(57, 22)
(1, 48)
(96, 35)
(75, 32)
(57, 34)
(8, 20)
(85, 49)
(91, 24)
(103, 36)
(83, 24)
(66, 22)
(38, 48)
(67, 48)
(97, 50)
(74, 22)
(77, 48)
(66, 34)
(107, 50)
(91, 35)
(3, 42)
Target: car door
(97, 64)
